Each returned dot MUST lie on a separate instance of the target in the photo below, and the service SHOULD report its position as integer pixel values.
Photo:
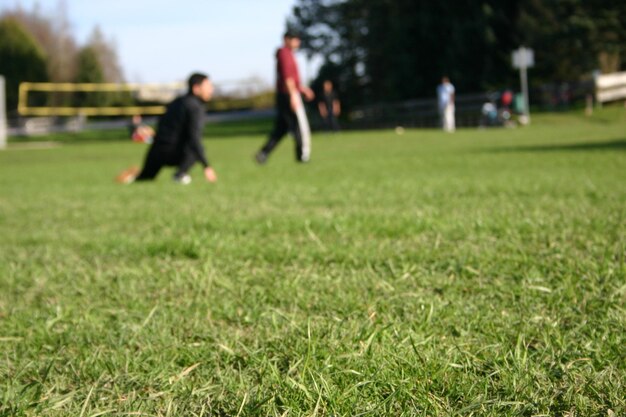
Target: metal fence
(418, 113)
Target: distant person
(329, 106)
(178, 141)
(445, 99)
(489, 113)
(140, 132)
(290, 113)
(506, 99)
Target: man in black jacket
(178, 141)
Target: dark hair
(195, 79)
(291, 33)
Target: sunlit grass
(480, 273)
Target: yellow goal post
(160, 93)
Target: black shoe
(260, 157)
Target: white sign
(523, 58)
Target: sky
(165, 40)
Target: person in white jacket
(445, 99)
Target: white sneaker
(184, 179)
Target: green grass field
(475, 274)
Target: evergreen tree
(21, 59)
(89, 71)
(387, 50)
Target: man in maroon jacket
(290, 114)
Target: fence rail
(611, 87)
(418, 113)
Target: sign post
(524, 58)
(3, 114)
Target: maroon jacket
(286, 67)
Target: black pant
(159, 156)
(331, 122)
(286, 121)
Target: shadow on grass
(611, 145)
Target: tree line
(40, 48)
(388, 50)
(374, 50)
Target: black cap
(292, 33)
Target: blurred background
(384, 57)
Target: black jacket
(181, 127)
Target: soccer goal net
(95, 99)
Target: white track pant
(447, 118)
(305, 131)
